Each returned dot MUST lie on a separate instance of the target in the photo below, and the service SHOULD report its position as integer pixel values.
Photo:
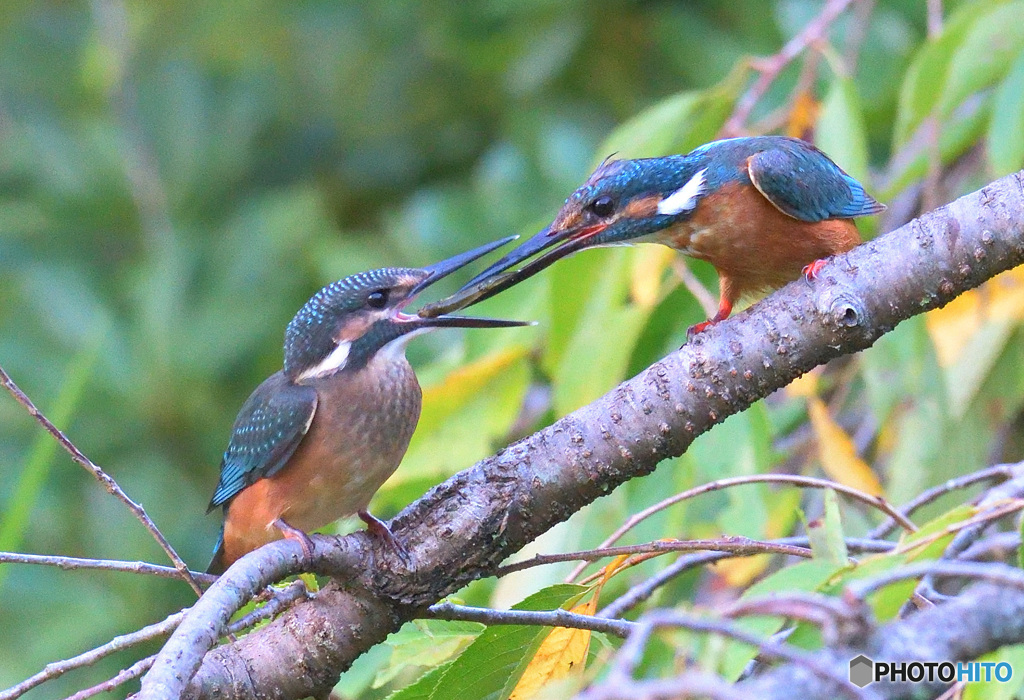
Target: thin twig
(999, 501)
(794, 479)
(631, 651)
(737, 546)
(645, 589)
(76, 563)
(984, 518)
(691, 684)
(934, 18)
(771, 67)
(1000, 546)
(1000, 472)
(124, 641)
(841, 621)
(545, 618)
(856, 34)
(694, 286)
(108, 482)
(280, 599)
(1002, 574)
(122, 677)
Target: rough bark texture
(462, 529)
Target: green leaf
(490, 667)
(955, 138)
(655, 131)
(677, 124)
(984, 56)
(425, 643)
(594, 361)
(887, 602)
(994, 690)
(1005, 138)
(826, 535)
(840, 129)
(928, 74)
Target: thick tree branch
(464, 528)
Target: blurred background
(177, 178)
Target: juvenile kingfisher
(760, 209)
(316, 440)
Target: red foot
(811, 271)
(380, 529)
(698, 328)
(724, 309)
(297, 535)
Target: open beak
(495, 278)
(441, 319)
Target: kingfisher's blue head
(347, 322)
(621, 202)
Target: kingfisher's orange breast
(356, 440)
(751, 242)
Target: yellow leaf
(805, 385)
(442, 399)
(953, 326)
(649, 265)
(837, 452)
(803, 116)
(738, 573)
(564, 650)
(561, 653)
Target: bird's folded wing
(269, 427)
(805, 184)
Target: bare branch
(59, 668)
(998, 473)
(280, 599)
(631, 652)
(108, 482)
(794, 479)
(770, 67)
(77, 563)
(981, 619)
(545, 618)
(645, 589)
(737, 546)
(992, 572)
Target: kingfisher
(760, 209)
(315, 441)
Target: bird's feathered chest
(356, 440)
(367, 417)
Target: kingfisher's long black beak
(495, 279)
(442, 269)
(441, 319)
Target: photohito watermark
(865, 671)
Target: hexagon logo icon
(862, 671)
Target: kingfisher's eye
(603, 206)
(377, 299)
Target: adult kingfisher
(760, 209)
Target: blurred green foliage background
(177, 178)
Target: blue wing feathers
(804, 183)
(269, 428)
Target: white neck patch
(335, 362)
(685, 198)
(395, 349)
